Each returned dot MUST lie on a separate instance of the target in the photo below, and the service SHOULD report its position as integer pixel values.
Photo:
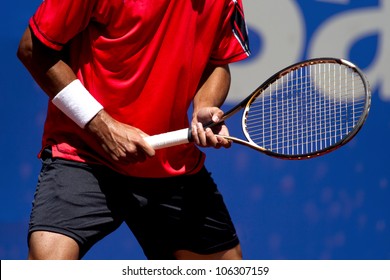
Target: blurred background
(333, 207)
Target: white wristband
(77, 103)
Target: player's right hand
(121, 141)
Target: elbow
(25, 49)
(24, 54)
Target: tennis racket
(305, 110)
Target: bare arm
(213, 90)
(120, 141)
(44, 64)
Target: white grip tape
(168, 139)
(77, 103)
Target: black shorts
(87, 202)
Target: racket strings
(313, 114)
(307, 110)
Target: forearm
(212, 92)
(214, 87)
(54, 79)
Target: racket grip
(169, 139)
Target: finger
(194, 133)
(212, 139)
(116, 152)
(201, 134)
(109, 152)
(139, 150)
(129, 153)
(223, 142)
(216, 115)
(147, 150)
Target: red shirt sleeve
(232, 44)
(57, 21)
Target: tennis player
(116, 71)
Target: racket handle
(169, 139)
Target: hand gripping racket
(305, 110)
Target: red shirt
(142, 60)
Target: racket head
(307, 109)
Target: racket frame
(249, 100)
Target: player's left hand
(206, 137)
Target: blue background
(332, 207)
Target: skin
(121, 141)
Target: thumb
(217, 114)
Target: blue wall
(332, 207)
